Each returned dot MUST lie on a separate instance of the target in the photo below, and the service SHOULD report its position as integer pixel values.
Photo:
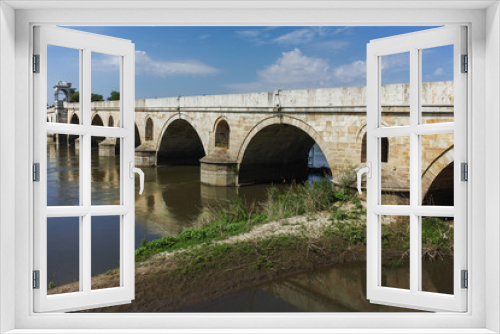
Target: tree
(96, 97)
(114, 96)
(74, 96)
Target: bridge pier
(107, 148)
(218, 171)
(145, 156)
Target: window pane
(437, 97)
(63, 80)
(395, 233)
(395, 90)
(105, 171)
(63, 255)
(63, 171)
(437, 169)
(105, 252)
(105, 87)
(395, 170)
(437, 254)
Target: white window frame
(85, 44)
(413, 44)
(484, 50)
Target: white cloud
(145, 65)
(258, 35)
(204, 36)
(294, 70)
(105, 63)
(249, 33)
(439, 72)
(396, 61)
(295, 37)
(351, 72)
(293, 67)
(332, 45)
(340, 29)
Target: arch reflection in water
(105, 171)
(63, 175)
(318, 291)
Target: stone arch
(149, 129)
(97, 120)
(222, 133)
(384, 149)
(282, 120)
(111, 121)
(75, 119)
(137, 136)
(179, 142)
(434, 172)
(263, 157)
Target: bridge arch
(277, 148)
(149, 129)
(97, 120)
(222, 133)
(384, 149)
(137, 136)
(437, 179)
(111, 121)
(73, 120)
(179, 142)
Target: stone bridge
(266, 137)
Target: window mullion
(415, 267)
(85, 152)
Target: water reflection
(341, 288)
(173, 198)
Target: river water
(173, 200)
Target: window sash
(86, 44)
(413, 43)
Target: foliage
(437, 238)
(347, 177)
(236, 216)
(114, 96)
(74, 96)
(96, 97)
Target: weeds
(236, 216)
(345, 230)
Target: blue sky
(172, 61)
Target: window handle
(368, 171)
(141, 176)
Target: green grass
(236, 217)
(347, 227)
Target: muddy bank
(172, 280)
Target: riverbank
(239, 246)
(184, 277)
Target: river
(173, 200)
